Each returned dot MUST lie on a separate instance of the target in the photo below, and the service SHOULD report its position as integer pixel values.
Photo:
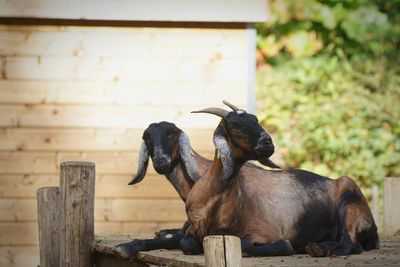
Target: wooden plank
(58, 139)
(140, 210)
(47, 162)
(20, 256)
(111, 163)
(106, 210)
(18, 210)
(388, 255)
(134, 227)
(107, 186)
(127, 42)
(26, 233)
(149, 10)
(28, 162)
(48, 203)
(114, 69)
(18, 233)
(102, 116)
(391, 212)
(104, 261)
(77, 183)
(121, 92)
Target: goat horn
(215, 111)
(233, 107)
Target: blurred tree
(329, 85)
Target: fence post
(77, 213)
(48, 206)
(391, 200)
(222, 251)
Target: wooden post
(77, 216)
(48, 206)
(222, 251)
(391, 210)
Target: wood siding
(87, 93)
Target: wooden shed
(82, 79)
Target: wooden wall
(87, 93)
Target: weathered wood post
(48, 203)
(391, 210)
(77, 213)
(222, 251)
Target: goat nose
(265, 140)
(160, 161)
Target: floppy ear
(188, 158)
(142, 165)
(269, 163)
(224, 152)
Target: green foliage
(329, 88)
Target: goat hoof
(127, 250)
(121, 251)
(314, 250)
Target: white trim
(138, 10)
(251, 68)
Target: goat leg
(190, 246)
(276, 248)
(129, 249)
(172, 233)
(332, 248)
(168, 233)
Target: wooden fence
(66, 221)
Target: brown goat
(273, 212)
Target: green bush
(329, 86)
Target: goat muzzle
(161, 164)
(265, 147)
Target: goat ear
(269, 163)
(188, 158)
(224, 152)
(142, 165)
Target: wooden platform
(387, 255)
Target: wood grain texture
(121, 163)
(103, 261)
(11, 256)
(102, 116)
(222, 251)
(143, 42)
(214, 251)
(77, 182)
(107, 186)
(114, 69)
(48, 206)
(61, 139)
(233, 251)
(155, 10)
(387, 255)
(391, 200)
(26, 233)
(106, 209)
(121, 92)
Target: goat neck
(179, 178)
